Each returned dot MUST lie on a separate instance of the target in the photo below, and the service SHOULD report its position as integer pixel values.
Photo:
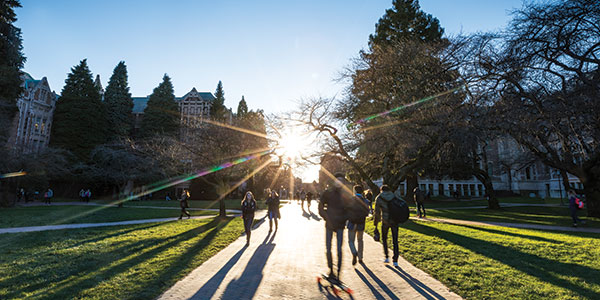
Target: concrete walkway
(88, 225)
(512, 225)
(284, 265)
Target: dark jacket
(572, 203)
(381, 206)
(419, 196)
(365, 207)
(273, 204)
(332, 208)
(248, 209)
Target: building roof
(140, 103)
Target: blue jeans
(340, 239)
(384, 234)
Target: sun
(293, 145)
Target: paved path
(88, 225)
(513, 225)
(284, 265)
(236, 211)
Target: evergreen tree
(242, 109)
(161, 115)
(80, 117)
(11, 63)
(118, 103)
(406, 20)
(218, 109)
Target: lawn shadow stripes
(519, 235)
(209, 288)
(417, 285)
(541, 268)
(64, 290)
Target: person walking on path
(302, 198)
(183, 203)
(332, 209)
(574, 206)
(382, 214)
(309, 196)
(419, 197)
(273, 209)
(82, 195)
(248, 209)
(88, 196)
(356, 223)
(48, 196)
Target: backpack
(358, 210)
(579, 203)
(398, 211)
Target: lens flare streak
(13, 174)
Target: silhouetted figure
(273, 209)
(332, 208)
(183, 203)
(419, 197)
(359, 209)
(382, 213)
(248, 209)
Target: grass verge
(47, 215)
(132, 262)
(504, 263)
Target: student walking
(273, 209)
(574, 206)
(309, 196)
(358, 212)
(419, 197)
(183, 203)
(82, 195)
(48, 196)
(88, 195)
(248, 209)
(382, 213)
(332, 209)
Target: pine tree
(118, 102)
(242, 109)
(161, 116)
(406, 20)
(218, 109)
(11, 63)
(80, 117)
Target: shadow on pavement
(211, 286)
(246, 285)
(417, 285)
(379, 282)
(362, 277)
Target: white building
(30, 132)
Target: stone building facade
(30, 132)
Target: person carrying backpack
(248, 209)
(574, 206)
(332, 209)
(183, 203)
(391, 211)
(358, 211)
(419, 197)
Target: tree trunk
(510, 180)
(485, 179)
(412, 181)
(565, 182)
(222, 211)
(591, 187)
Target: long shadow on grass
(246, 285)
(417, 285)
(85, 279)
(533, 265)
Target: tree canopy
(118, 102)
(161, 115)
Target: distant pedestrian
(358, 211)
(168, 197)
(302, 198)
(82, 195)
(48, 196)
(332, 209)
(21, 195)
(88, 195)
(309, 196)
(248, 209)
(369, 197)
(382, 213)
(574, 206)
(419, 197)
(183, 203)
(273, 209)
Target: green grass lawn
(229, 203)
(125, 262)
(448, 202)
(556, 216)
(47, 215)
(504, 263)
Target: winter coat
(248, 209)
(419, 196)
(358, 208)
(332, 208)
(381, 206)
(572, 203)
(273, 204)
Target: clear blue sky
(272, 52)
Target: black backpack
(398, 211)
(358, 210)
